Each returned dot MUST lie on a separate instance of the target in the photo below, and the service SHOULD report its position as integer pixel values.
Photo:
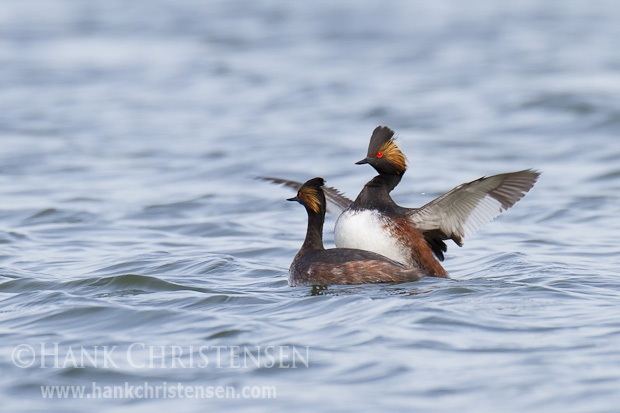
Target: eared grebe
(411, 236)
(314, 265)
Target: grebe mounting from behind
(411, 236)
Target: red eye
(379, 154)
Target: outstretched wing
(462, 211)
(336, 201)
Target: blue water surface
(129, 219)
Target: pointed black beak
(362, 162)
(293, 199)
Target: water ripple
(129, 215)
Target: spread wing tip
(279, 181)
(513, 187)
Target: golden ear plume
(393, 154)
(311, 198)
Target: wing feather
(336, 201)
(462, 211)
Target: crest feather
(380, 136)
